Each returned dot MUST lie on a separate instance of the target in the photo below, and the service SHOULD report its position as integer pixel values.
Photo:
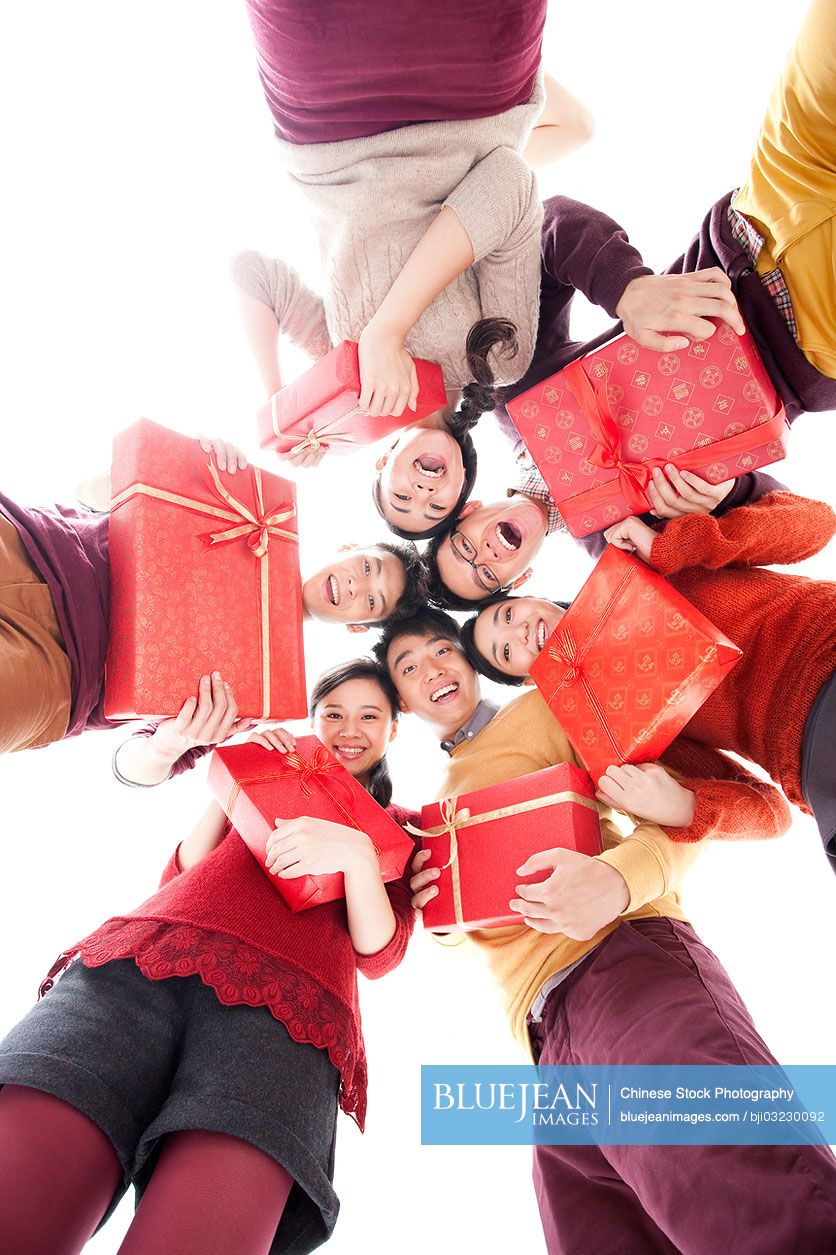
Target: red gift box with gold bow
(319, 410)
(479, 839)
(628, 664)
(204, 570)
(256, 786)
(599, 427)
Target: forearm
(140, 760)
(261, 330)
(443, 252)
(203, 838)
(371, 920)
(585, 250)
(779, 528)
(564, 125)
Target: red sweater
(221, 920)
(785, 624)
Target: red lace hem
(238, 973)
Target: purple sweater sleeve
(587, 251)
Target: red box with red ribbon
(319, 410)
(479, 839)
(256, 786)
(599, 427)
(204, 570)
(628, 664)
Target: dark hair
(477, 660)
(478, 398)
(379, 785)
(436, 590)
(424, 622)
(414, 592)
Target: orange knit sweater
(785, 624)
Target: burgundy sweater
(341, 69)
(222, 920)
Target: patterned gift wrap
(204, 577)
(256, 786)
(628, 664)
(479, 839)
(598, 428)
(319, 410)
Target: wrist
(385, 324)
(361, 857)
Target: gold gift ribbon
(257, 529)
(453, 821)
(318, 437)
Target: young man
(604, 967)
(54, 595)
(777, 707)
(766, 251)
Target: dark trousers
(818, 765)
(653, 993)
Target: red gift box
(629, 664)
(256, 787)
(598, 428)
(204, 570)
(479, 840)
(320, 410)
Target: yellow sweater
(522, 737)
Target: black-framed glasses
(484, 574)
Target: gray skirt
(143, 1058)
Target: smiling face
(421, 479)
(434, 680)
(503, 537)
(511, 634)
(354, 721)
(361, 586)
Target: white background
(136, 160)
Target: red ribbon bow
(634, 477)
(565, 650)
(256, 527)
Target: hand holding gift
(652, 305)
(316, 847)
(648, 791)
(579, 896)
(334, 408)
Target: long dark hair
(478, 398)
(379, 784)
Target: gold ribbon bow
(318, 437)
(453, 821)
(308, 772)
(257, 528)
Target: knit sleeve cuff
(642, 869)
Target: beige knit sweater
(372, 199)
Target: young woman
(199, 1046)
(427, 214)
(777, 707)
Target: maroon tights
(209, 1193)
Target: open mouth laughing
(429, 466)
(509, 536)
(445, 693)
(331, 590)
(542, 633)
